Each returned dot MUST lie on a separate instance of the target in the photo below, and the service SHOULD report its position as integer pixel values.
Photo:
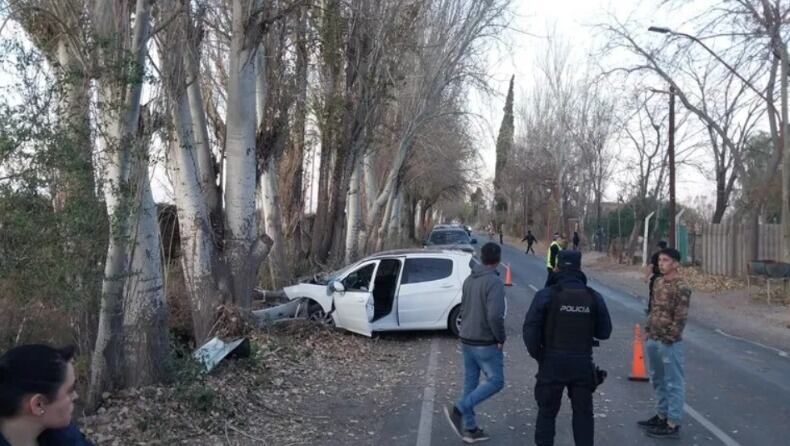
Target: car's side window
(426, 270)
(359, 280)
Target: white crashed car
(388, 291)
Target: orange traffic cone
(508, 276)
(638, 372)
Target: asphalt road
(738, 393)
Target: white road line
(428, 397)
(726, 439)
(534, 288)
(781, 353)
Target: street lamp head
(660, 29)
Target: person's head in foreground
(36, 391)
(490, 254)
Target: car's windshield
(327, 278)
(449, 237)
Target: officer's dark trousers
(556, 373)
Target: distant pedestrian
(664, 346)
(652, 272)
(555, 247)
(482, 336)
(501, 236)
(530, 239)
(37, 397)
(559, 331)
(575, 241)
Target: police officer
(558, 244)
(559, 332)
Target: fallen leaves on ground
(301, 385)
(710, 283)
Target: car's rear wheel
(454, 321)
(316, 313)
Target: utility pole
(671, 156)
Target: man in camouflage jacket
(664, 346)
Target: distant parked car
(455, 238)
(388, 291)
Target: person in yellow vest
(558, 244)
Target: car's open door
(354, 300)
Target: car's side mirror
(474, 241)
(337, 286)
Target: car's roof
(418, 251)
(448, 229)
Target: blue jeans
(666, 373)
(487, 359)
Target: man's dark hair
(490, 254)
(662, 244)
(671, 253)
(29, 370)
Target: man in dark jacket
(652, 272)
(482, 336)
(560, 329)
(530, 239)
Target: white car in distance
(418, 289)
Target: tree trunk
(721, 198)
(381, 232)
(293, 204)
(77, 179)
(410, 219)
(353, 214)
(119, 114)
(199, 256)
(278, 262)
(322, 202)
(394, 221)
(371, 188)
(240, 162)
(419, 217)
(205, 159)
(146, 337)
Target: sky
(573, 21)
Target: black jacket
(535, 320)
(67, 436)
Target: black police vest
(570, 324)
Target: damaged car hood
(319, 293)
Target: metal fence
(725, 247)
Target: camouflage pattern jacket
(669, 311)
